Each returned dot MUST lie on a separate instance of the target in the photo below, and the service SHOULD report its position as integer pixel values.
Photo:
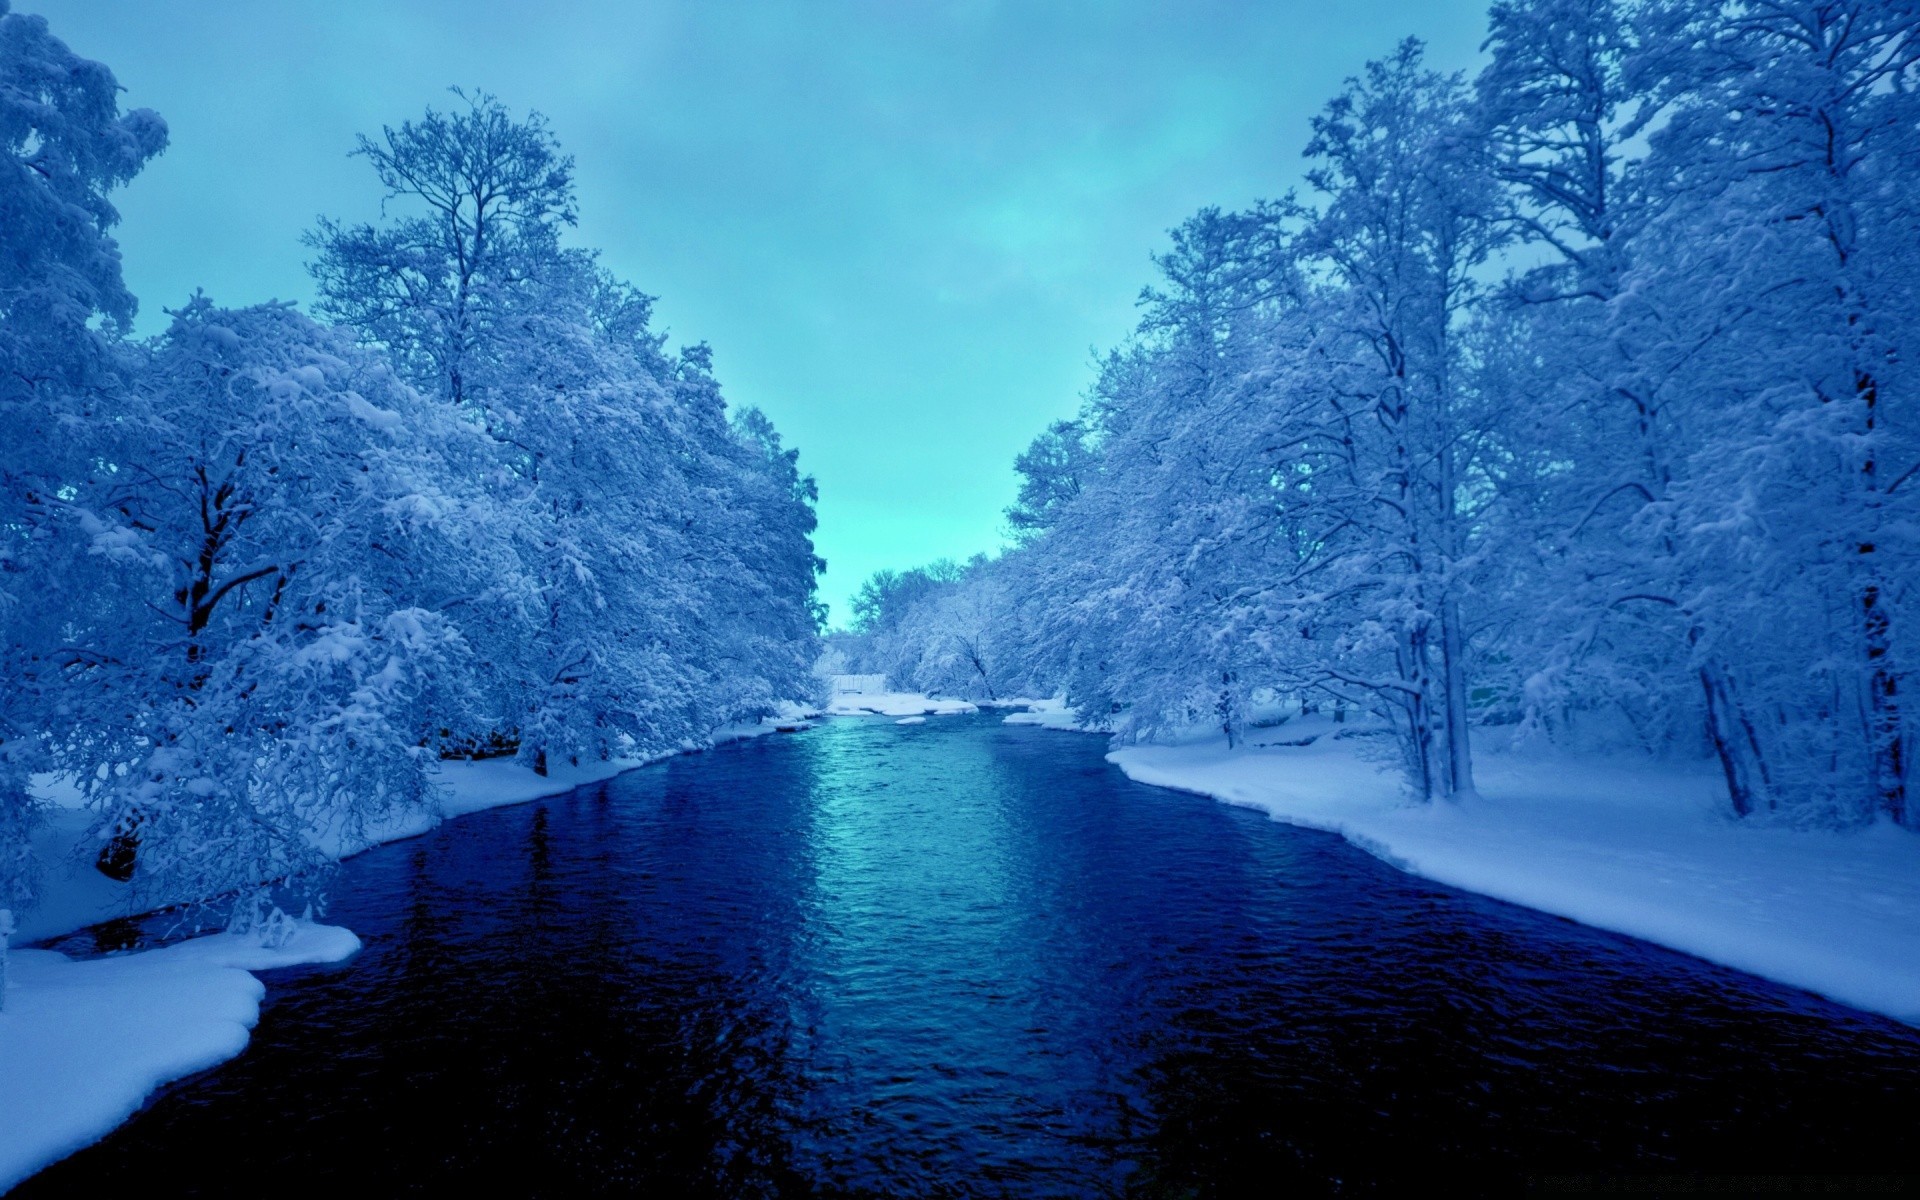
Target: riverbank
(74, 896)
(895, 704)
(967, 958)
(1638, 848)
(85, 1042)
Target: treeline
(1578, 396)
(262, 571)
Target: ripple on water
(963, 959)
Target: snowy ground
(1638, 848)
(1050, 714)
(73, 895)
(83, 1043)
(894, 704)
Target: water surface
(963, 959)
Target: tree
(430, 288)
(1409, 217)
(1769, 293)
(669, 547)
(64, 145)
(264, 684)
(959, 635)
(1051, 471)
(885, 598)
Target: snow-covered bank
(490, 783)
(918, 704)
(1050, 714)
(82, 1044)
(73, 895)
(895, 704)
(1638, 849)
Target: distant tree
(1052, 470)
(432, 286)
(961, 635)
(886, 595)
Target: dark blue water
(961, 959)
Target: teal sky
(904, 227)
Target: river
(967, 959)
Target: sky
(906, 229)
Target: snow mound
(84, 1043)
(1050, 714)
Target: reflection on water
(959, 959)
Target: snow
(895, 704)
(373, 414)
(86, 1042)
(911, 721)
(1049, 714)
(489, 783)
(127, 1023)
(1636, 847)
(73, 895)
(867, 696)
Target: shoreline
(1633, 847)
(1638, 848)
(129, 1023)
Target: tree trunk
(1885, 742)
(1727, 730)
(1420, 731)
(1886, 745)
(1459, 747)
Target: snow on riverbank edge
(1635, 848)
(83, 1043)
(74, 895)
(1051, 714)
(895, 704)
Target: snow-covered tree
(1578, 396)
(1767, 297)
(669, 544)
(262, 679)
(481, 194)
(259, 574)
(1291, 487)
(1409, 217)
(1051, 472)
(64, 145)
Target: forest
(262, 572)
(1566, 403)
(1440, 702)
